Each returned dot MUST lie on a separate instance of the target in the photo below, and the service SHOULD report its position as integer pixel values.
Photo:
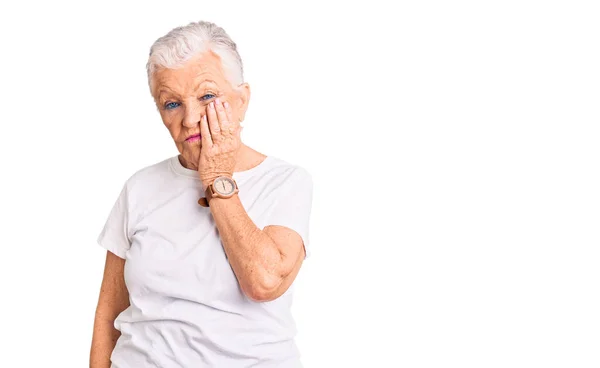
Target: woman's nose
(192, 117)
(191, 123)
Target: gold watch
(221, 187)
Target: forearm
(259, 264)
(103, 342)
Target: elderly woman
(202, 247)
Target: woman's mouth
(193, 138)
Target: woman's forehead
(194, 74)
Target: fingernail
(217, 100)
(212, 105)
(226, 104)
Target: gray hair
(175, 48)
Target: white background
(454, 148)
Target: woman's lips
(193, 138)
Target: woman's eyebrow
(165, 90)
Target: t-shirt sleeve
(293, 204)
(114, 236)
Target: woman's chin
(193, 142)
(191, 146)
(191, 151)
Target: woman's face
(182, 97)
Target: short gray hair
(175, 48)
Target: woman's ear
(244, 99)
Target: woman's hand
(220, 143)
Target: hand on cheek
(220, 142)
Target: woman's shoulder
(149, 174)
(279, 164)
(152, 170)
(287, 171)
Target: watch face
(224, 186)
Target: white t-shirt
(186, 306)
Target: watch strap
(204, 202)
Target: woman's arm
(266, 261)
(113, 299)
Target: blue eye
(170, 106)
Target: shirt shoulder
(150, 172)
(282, 171)
(146, 182)
(276, 179)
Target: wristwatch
(221, 187)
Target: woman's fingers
(213, 122)
(234, 127)
(220, 122)
(222, 117)
(205, 133)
